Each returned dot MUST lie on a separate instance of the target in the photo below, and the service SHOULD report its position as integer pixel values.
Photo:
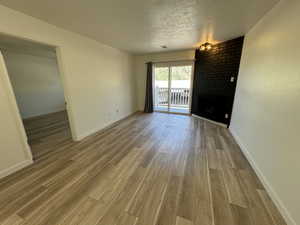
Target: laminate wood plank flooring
(149, 169)
(47, 131)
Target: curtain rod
(184, 60)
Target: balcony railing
(179, 97)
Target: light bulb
(202, 48)
(208, 47)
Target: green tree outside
(178, 73)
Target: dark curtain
(149, 89)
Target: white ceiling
(142, 26)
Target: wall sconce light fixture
(206, 46)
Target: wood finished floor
(47, 131)
(150, 169)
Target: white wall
(141, 69)
(266, 114)
(98, 82)
(36, 83)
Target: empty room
(165, 112)
(33, 72)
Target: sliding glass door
(161, 88)
(172, 87)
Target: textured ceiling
(142, 26)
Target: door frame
(191, 87)
(169, 64)
(8, 89)
(63, 77)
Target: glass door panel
(172, 87)
(180, 88)
(161, 88)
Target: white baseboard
(267, 185)
(60, 109)
(15, 168)
(95, 130)
(211, 121)
(86, 134)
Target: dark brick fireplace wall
(215, 77)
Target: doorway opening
(35, 80)
(173, 87)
